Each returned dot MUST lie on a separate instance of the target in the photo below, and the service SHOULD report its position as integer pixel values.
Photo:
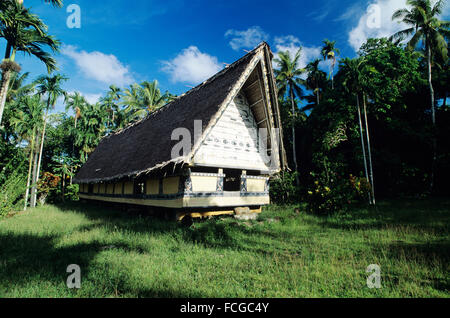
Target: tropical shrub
(71, 192)
(283, 189)
(48, 182)
(326, 198)
(11, 193)
(360, 186)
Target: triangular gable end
(146, 146)
(232, 138)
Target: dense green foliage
(370, 127)
(32, 135)
(11, 191)
(366, 118)
(283, 254)
(389, 82)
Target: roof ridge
(199, 86)
(146, 144)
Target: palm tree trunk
(317, 93)
(433, 116)
(362, 143)
(63, 185)
(332, 77)
(8, 50)
(10, 55)
(6, 78)
(294, 147)
(27, 191)
(42, 145)
(333, 64)
(430, 84)
(369, 151)
(34, 181)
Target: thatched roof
(147, 145)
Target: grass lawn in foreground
(282, 254)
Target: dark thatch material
(147, 144)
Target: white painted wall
(233, 141)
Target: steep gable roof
(147, 144)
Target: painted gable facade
(234, 140)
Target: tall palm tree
(17, 86)
(426, 27)
(27, 120)
(50, 86)
(77, 103)
(329, 52)
(110, 103)
(352, 77)
(142, 99)
(91, 129)
(121, 119)
(152, 97)
(289, 81)
(369, 149)
(63, 166)
(315, 78)
(24, 32)
(132, 101)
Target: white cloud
(92, 98)
(376, 22)
(191, 66)
(353, 11)
(247, 39)
(61, 105)
(99, 66)
(291, 44)
(319, 16)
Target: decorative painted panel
(118, 188)
(128, 188)
(152, 186)
(204, 183)
(187, 185)
(243, 184)
(110, 188)
(170, 185)
(233, 141)
(256, 185)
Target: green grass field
(282, 254)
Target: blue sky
(181, 43)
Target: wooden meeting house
(224, 171)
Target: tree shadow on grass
(28, 258)
(241, 237)
(36, 261)
(433, 256)
(112, 217)
(219, 232)
(424, 215)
